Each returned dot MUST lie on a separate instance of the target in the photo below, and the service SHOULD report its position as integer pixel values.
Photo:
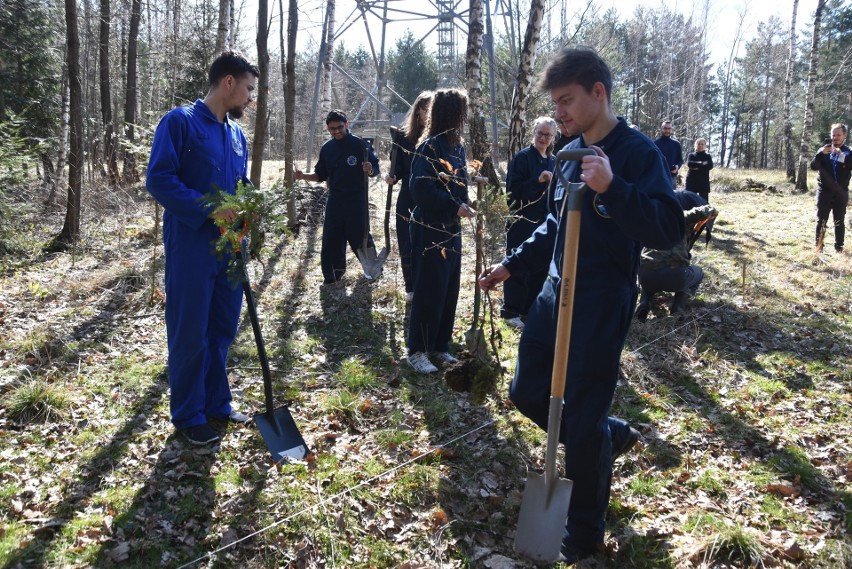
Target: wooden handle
(566, 302)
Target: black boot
(644, 307)
(679, 303)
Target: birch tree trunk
(518, 117)
(222, 29)
(804, 147)
(325, 103)
(789, 162)
(261, 115)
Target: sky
(723, 17)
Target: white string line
(369, 481)
(340, 494)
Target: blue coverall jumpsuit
(639, 207)
(194, 154)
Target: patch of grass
(36, 401)
(645, 552)
(341, 402)
(417, 485)
(735, 544)
(713, 481)
(644, 485)
(702, 521)
(356, 376)
(393, 438)
(793, 462)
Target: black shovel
(277, 427)
(544, 508)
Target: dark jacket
(526, 194)
(672, 151)
(402, 173)
(834, 170)
(698, 176)
(438, 201)
(340, 162)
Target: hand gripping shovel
(371, 263)
(277, 427)
(544, 508)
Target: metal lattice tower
(446, 43)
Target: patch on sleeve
(600, 208)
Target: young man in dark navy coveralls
(342, 162)
(630, 202)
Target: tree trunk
(110, 142)
(222, 30)
(325, 104)
(473, 80)
(71, 227)
(289, 74)
(789, 162)
(727, 85)
(261, 119)
(804, 147)
(130, 175)
(518, 117)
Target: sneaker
(421, 364)
(234, 417)
(515, 322)
(200, 434)
(445, 357)
(624, 446)
(409, 297)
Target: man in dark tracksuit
(198, 149)
(671, 149)
(630, 202)
(343, 161)
(834, 164)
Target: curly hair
(447, 115)
(412, 125)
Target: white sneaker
(409, 297)
(444, 357)
(515, 322)
(421, 364)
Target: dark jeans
(834, 203)
(602, 314)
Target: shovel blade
(372, 262)
(281, 435)
(541, 521)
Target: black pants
(345, 222)
(834, 203)
(520, 291)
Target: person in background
(199, 149)
(699, 164)
(530, 173)
(671, 270)
(834, 166)
(671, 149)
(439, 188)
(406, 143)
(630, 202)
(343, 161)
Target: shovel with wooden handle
(544, 508)
(371, 262)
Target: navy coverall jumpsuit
(528, 202)
(436, 243)
(638, 207)
(340, 162)
(194, 154)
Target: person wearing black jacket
(530, 173)
(406, 144)
(630, 202)
(439, 188)
(342, 162)
(699, 164)
(834, 164)
(671, 149)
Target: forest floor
(744, 404)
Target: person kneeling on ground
(671, 270)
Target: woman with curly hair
(405, 147)
(439, 187)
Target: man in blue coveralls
(343, 160)
(630, 202)
(199, 149)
